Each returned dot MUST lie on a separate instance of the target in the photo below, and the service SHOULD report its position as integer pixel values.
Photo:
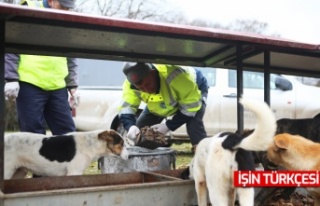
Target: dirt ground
(296, 199)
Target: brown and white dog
(217, 157)
(308, 128)
(295, 152)
(60, 155)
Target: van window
(251, 80)
(210, 74)
(94, 72)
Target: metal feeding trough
(158, 184)
(140, 159)
(123, 189)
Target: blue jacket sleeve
(127, 120)
(202, 83)
(177, 121)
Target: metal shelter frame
(59, 33)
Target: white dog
(60, 155)
(216, 159)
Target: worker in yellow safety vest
(167, 90)
(40, 85)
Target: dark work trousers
(37, 107)
(195, 127)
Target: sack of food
(150, 139)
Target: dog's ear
(106, 135)
(231, 141)
(281, 141)
(246, 132)
(110, 136)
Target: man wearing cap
(167, 90)
(40, 85)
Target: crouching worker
(167, 90)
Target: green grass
(184, 154)
(92, 169)
(183, 157)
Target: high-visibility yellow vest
(46, 72)
(178, 91)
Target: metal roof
(54, 32)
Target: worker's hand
(133, 132)
(162, 128)
(11, 90)
(74, 100)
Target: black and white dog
(68, 154)
(217, 157)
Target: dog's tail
(264, 131)
(265, 128)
